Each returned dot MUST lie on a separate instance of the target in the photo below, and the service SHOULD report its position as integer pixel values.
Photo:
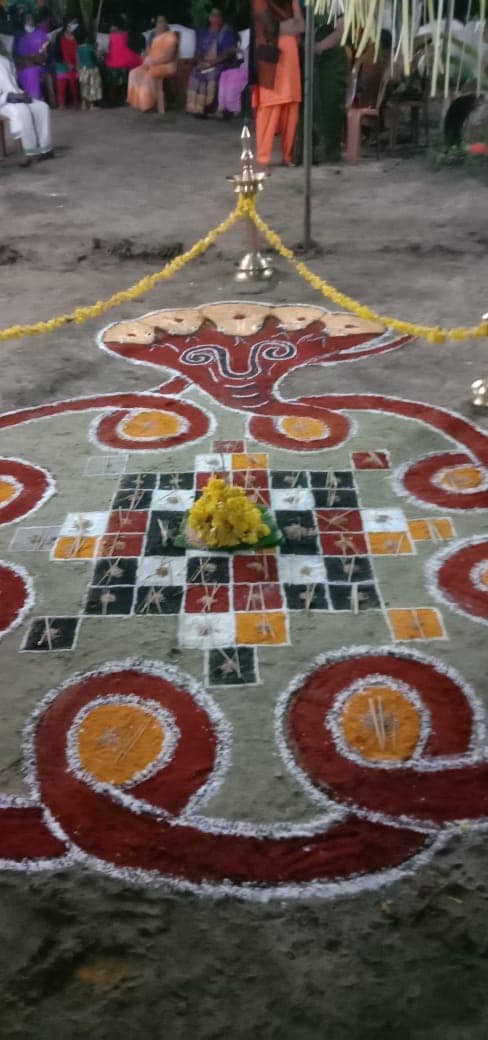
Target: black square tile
(113, 602)
(208, 570)
(338, 569)
(232, 666)
(341, 597)
(297, 597)
(159, 600)
(344, 478)
(288, 479)
(144, 481)
(299, 532)
(341, 498)
(130, 498)
(176, 481)
(164, 527)
(58, 633)
(115, 571)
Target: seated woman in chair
(160, 61)
(233, 83)
(215, 50)
(122, 56)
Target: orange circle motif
(8, 490)
(303, 428)
(462, 478)
(381, 724)
(152, 424)
(116, 742)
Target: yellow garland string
(433, 334)
(82, 314)
(246, 207)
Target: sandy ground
(409, 961)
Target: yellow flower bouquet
(225, 518)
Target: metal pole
(308, 121)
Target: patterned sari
(203, 84)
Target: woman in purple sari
(215, 51)
(30, 56)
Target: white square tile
(34, 539)
(106, 465)
(162, 571)
(301, 570)
(383, 520)
(213, 463)
(86, 524)
(204, 631)
(173, 498)
(292, 498)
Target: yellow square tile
(437, 530)
(420, 623)
(75, 548)
(250, 461)
(390, 543)
(261, 629)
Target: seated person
(215, 50)
(66, 54)
(160, 61)
(232, 85)
(29, 120)
(121, 58)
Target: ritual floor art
(302, 721)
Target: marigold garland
(246, 207)
(223, 516)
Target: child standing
(89, 73)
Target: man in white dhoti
(29, 121)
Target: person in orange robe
(277, 90)
(160, 61)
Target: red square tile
(255, 567)
(207, 599)
(261, 596)
(202, 479)
(332, 521)
(344, 544)
(125, 521)
(249, 479)
(371, 460)
(120, 545)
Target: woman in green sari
(329, 94)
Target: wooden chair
(394, 108)
(357, 112)
(6, 139)
(3, 139)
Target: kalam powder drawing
(279, 721)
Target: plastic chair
(356, 114)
